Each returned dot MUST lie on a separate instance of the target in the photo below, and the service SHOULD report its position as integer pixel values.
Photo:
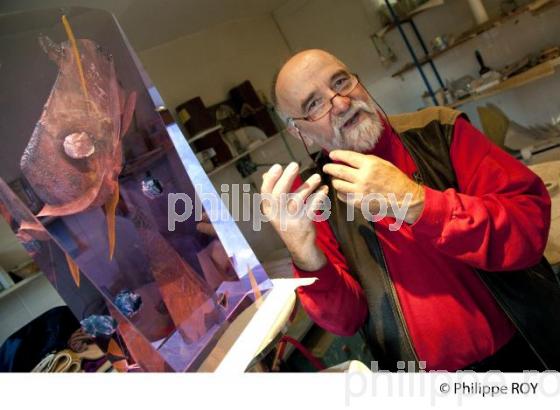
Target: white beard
(361, 138)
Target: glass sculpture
(90, 169)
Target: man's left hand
(361, 175)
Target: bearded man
(462, 283)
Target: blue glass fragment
(99, 325)
(128, 302)
(151, 187)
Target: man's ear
(292, 129)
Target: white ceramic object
(478, 11)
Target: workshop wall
(500, 46)
(344, 28)
(212, 61)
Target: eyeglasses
(319, 106)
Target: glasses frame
(309, 119)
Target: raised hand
(359, 176)
(295, 228)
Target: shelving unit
(204, 133)
(398, 22)
(533, 7)
(535, 73)
(238, 157)
(426, 6)
(19, 285)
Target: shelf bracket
(397, 21)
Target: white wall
(211, 62)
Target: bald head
(299, 69)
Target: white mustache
(361, 138)
(356, 106)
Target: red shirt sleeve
(498, 219)
(336, 302)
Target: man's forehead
(304, 73)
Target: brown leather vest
(529, 297)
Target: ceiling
(149, 23)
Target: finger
(341, 172)
(307, 188)
(270, 177)
(317, 199)
(285, 182)
(352, 158)
(343, 186)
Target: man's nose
(340, 104)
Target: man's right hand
(297, 232)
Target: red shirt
(498, 220)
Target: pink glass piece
(72, 183)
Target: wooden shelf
(426, 6)
(18, 285)
(533, 7)
(535, 73)
(204, 133)
(238, 157)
